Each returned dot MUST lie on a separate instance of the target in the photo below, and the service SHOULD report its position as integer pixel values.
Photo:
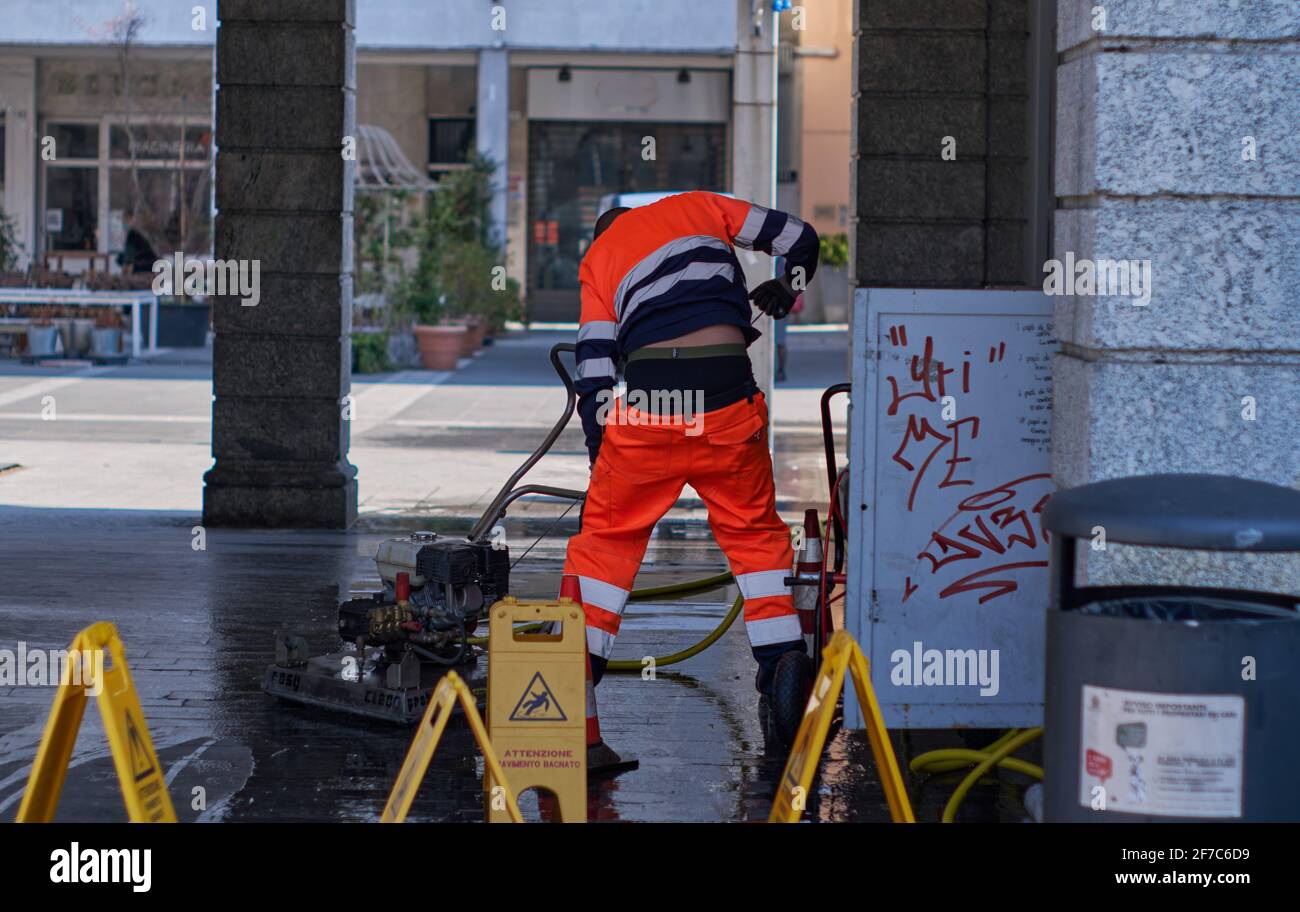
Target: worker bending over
(664, 297)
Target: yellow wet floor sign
(537, 718)
(138, 770)
(841, 655)
(450, 690)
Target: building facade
(107, 107)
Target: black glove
(773, 298)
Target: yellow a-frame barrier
(841, 655)
(450, 689)
(143, 787)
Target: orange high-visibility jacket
(666, 269)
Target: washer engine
(436, 590)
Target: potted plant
(465, 276)
(370, 351)
(13, 278)
(451, 288)
(385, 236)
(42, 334)
(46, 278)
(106, 340)
(827, 298)
(440, 345)
(105, 281)
(10, 275)
(438, 338)
(503, 305)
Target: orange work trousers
(643, 463)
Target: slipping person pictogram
(538, 703)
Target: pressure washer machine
(397, 643)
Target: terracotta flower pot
(475, 329)
(440, 346)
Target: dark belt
(724, 350)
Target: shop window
(451, 143)
(72, 207)
(158, 170)
(74, 140)
(163, 182)
(572, 164)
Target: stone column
(286, 101)
(492, 135)
(1175, 145)
(941, 183)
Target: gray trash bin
(1171, 703)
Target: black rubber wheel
(791, 684)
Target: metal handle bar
(504, 496)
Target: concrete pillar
(492, 138)
(286, 74)
(753, 163)
(934, 78)
(1174, 144)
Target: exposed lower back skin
(718, 334)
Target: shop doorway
(572, 164)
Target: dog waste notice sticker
(1171, 755)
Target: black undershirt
(721, 381)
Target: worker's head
(606, 219)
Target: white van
(632, 200)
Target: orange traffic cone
(571, 588)
(808, 564)
(601, 758)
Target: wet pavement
(198, 629)
(198, 624)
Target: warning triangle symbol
(141, 764)
(538, 704)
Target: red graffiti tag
(993, 526)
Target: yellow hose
(996, 754)
(945, 761)
(708, 582)
(625, 665)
